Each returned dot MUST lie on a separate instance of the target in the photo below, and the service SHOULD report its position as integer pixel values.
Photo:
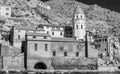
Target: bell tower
(79, 24)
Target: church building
(52, 43)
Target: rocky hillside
(64, 9)
(62, 12)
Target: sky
(109, 4)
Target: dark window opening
(77, 16)
(76, 26)
(35, 47)
(61, 33)
(105, 49)
(18, 36)
(7, 8)
(47, 32)
(52, 33)
(40, 26)
(99, 40)
(81, 16)
(77, 54)
(65, 53)
(81, 26)
(46, 47)
(95, 46)
(68, 32)
(7, 13)
(54, 53)
(34, 36)
(45, 37)
(105, 39)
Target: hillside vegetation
(62, 12)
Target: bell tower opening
(40, 65)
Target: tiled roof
(19, 27)
(38, 34)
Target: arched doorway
(40, 65)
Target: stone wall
(31, 62)
(7, 50)
(71, 63)
(70, 47)
(1, 62)
(16, 62)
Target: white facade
(57, 34)
(44, 5)
(79, 24)
(5, 11)
(54, 31)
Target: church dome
(78, 10)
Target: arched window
(76, 26)
(65, 53)
(54, 53)
(77, 54)
(35, 46)
(81, 16)
(60, 33)
(81, 26)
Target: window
(96, 46)
(105, 49)
(81, 26)
(54, 53)
(61, 33)
(7, 13)
(45, 37)
(46, 47)
(81, 16)
(35, 47)
(18, 36)
(40, 26)
(52, 33)
(76, 26)
(105, 39)
(65, 53)
(47, 32)
(77, 16)
(77, 54)
(99, 40)
(7, 8)
(34, 36)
